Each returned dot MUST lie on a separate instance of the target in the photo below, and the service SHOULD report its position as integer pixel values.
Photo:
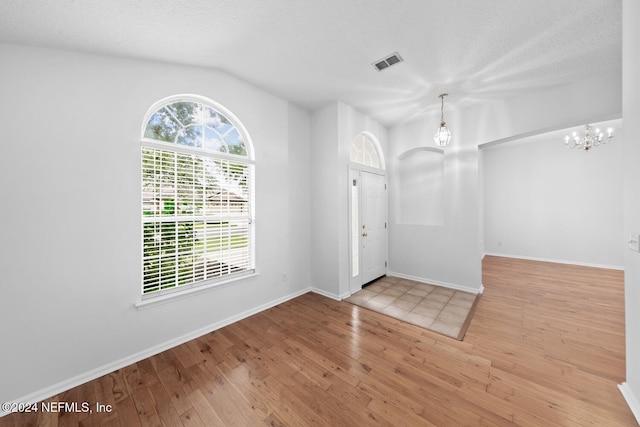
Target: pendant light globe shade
(442, 136)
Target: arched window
(364, 150)
(197, 195)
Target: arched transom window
(365, 152)
(197, 195)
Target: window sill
(150, 302)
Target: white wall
(333, 129)
(450, 254)
(70, 229)
(446, 251)
(298, 179)
(324, 200)
(560, 107)
(544, 201)
(631, 109)
(418, 191)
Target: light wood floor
(545, 348)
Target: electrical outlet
(634, 242)
(284, 277)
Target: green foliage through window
(194, 124)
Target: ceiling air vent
(387, 62)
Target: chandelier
(592, 138)
(443, 134)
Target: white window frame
(203, 219)
(365, 150)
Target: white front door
(373, 226)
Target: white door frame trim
(355, 172)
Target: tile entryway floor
(443, 310)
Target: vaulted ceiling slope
(312, 52)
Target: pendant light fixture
(590, 139)
(443, 134)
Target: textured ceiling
(311, 52)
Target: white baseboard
(136, 357)
(328, 294)
(557, 261)
(632, 400)
(437, 282)
(345, 295)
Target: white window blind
(197, 214)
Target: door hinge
(385, 264)
(385, 225)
